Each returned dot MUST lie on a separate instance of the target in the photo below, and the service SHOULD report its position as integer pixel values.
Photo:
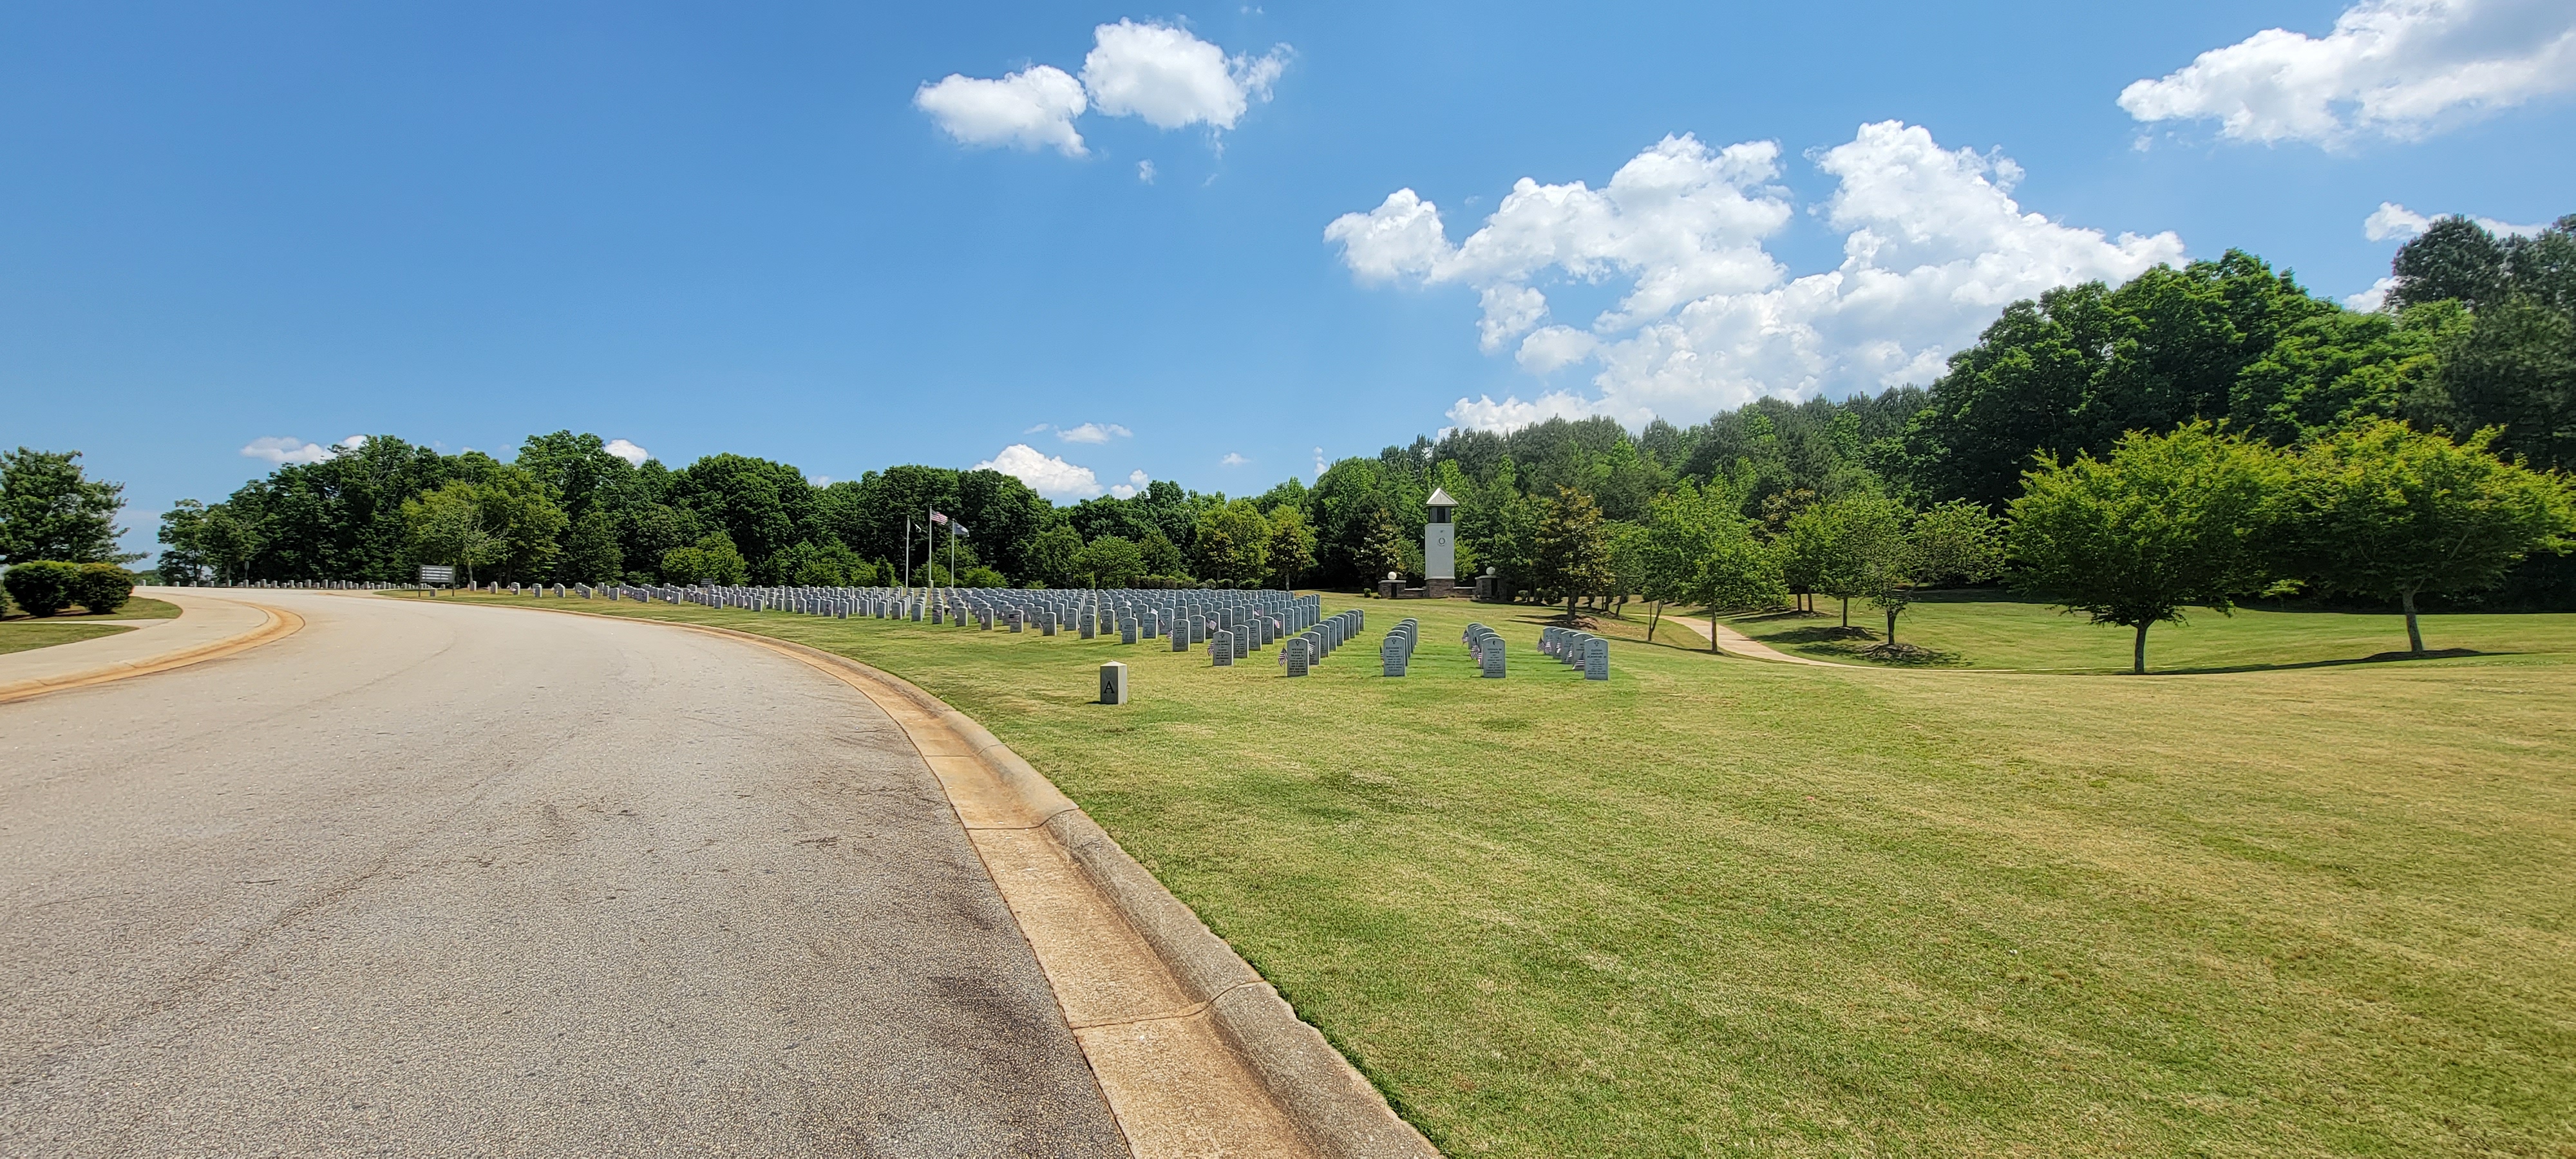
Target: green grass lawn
(23, 635)
(1988, 630)
(1719, 906)
(137, 608)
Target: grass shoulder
(138, 608)
(24, 635)
(1988, 630)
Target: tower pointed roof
(1440, 498)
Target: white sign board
(433, 574)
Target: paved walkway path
(1735, 643)
(432, 879)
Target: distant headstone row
(1396, 651)
(1485, 647)
(1579, 649)
(1311, 646)
(1241, 621)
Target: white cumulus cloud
(2369, 301)
(1045, 474)
(281, 450)
(634, 455)
(2392, 220)
(1233, 459)
(1173, 79)
(2400, 69)
(1160, 72)
(1093, 433)
(1030, 109)
(1136, 481)
(1934, 246)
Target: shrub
(102, 587)
(42, 587)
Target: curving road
(445, 880)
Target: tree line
(2476, 346)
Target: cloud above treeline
(279, 450)
(1934, 246)
(2395, 69)
(1158, 72)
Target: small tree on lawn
(1849, 546)
(1954, 542)
(1572, 548)
(1663, 555)
(2165, 522)
(1735, 571)
(2383, 511)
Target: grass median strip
(1723, 906)
(25, 635)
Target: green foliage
(2333, 370)
(1111, 561)
(578, 473)
(50, 509)
(1571, 549)
(713, 558)
(447, 528)
(1051, 556)
(2083, 366)
(2389, 513)
(1233, 543)
(340, 518)
(184, 558)
(823, 565)
(1292, 544)
(2454, 259)
(1163, 557)
(2516, 370)
(102, 587)
(2165, 522)
(761, 506)
(591, 551)
(1955, 542)
(42, 587)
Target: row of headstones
(1251, 619)
(1580, 649)
(1395, 653)
(1311, 646)
(312, 585)
(1485, 647)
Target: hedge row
(43, 587)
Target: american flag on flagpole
(936, 517)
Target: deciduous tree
(2386, 512)
(51, 509)
(1571, 548)
(2164, 522)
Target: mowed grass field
(1985, 629)
(1720, 906)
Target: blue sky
(704, 228)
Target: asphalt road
(446, 880)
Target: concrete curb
(280, 623)
(1334, 1107)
